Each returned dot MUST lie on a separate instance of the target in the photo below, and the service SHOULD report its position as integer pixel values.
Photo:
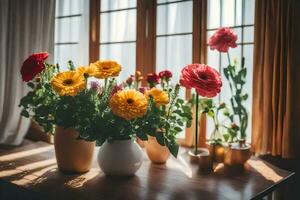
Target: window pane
(213, 14)
(249, 11)
(175, 18)
(118, 26)
(68, 7)
(67, 29)
(117, 4)
(64, 53)
(248, 53)
(238, 12)
(228, 12)
(249, 34)
(173, 53)
(123, 54)
(213, 58)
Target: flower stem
(197, 119)
(228, 57)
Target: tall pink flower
(33, 65)
(206, 80)
(222, 39)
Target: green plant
(236, 77)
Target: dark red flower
(206, 80)
(130, 79)
(33, 65)
(143, 89)
(165, 74)
(116, 89)
(153, 78)
(222, 39)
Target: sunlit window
(239, 15)
(71, 32)
(118, 33)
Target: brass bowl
(237, 155)
(217, 152)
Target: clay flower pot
(157, 153)
(72, 155)
(237, 154)
(120, 157)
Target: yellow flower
(128, 104)
(85, 70)
(68, 83)
(160, 97)
(105, 69)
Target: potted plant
(53, 102)
(207, 83)
(171, 114)
(239, 151)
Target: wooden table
(34, 167)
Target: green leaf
(178, 129)
(25, 113)
(160, 138)
(173, 148)
(31, 85)
(142, 136)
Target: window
(118, 34)
(165, 37)
(239, 15)
(71, 32)
(174, 27)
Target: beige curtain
(26, 26)
(276, 78)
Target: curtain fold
(25, 27)
(275, 79)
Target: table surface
(34, 167)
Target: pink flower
(165, 74)
(95, 86)
(222, 39)
(206, 80)
(116, 89)
(153, 78)
(33, 65)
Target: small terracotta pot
(217, 152)
(194, 158)
(237, 154)
(72, 155)
(156, 153)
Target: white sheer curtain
(72, 32)
(25, 27)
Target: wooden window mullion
(94, 31)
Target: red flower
(116, 89)
(222, 39)
(130, 79)
(143, 90)
(165, 74)
(33, 65)
(153, 78)
(206, 80)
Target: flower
(166, 74)
(222, 39)
(130, 79)
(85, 70)
(33, 65)
(95, 86)
(68, 83)
(143, 89)
(160, 97)
(138, 76)
(116, 89)
(206, 80)
(128, 104)
(153, 78)
(105, 69)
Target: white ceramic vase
(120, 157)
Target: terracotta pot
(120, 157)
(140, 142)
(156, 153)
(72, 155)
(194, 158)
(237, 154)
(217, 152)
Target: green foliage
(236, 77)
